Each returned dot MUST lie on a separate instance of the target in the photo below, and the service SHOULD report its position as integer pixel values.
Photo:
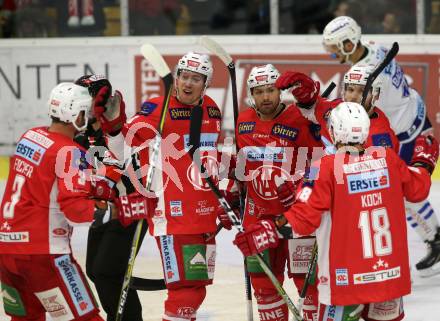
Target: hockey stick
(194, 140)
(388, 58)
(216, 49)
(156, 60)
(314, 258)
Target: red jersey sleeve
(416, 181)
(73, 188)
(142, 127)
(314, 198)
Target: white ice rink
(226, 299)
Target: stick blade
(215, 48)
(155, 59)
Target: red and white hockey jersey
(186, 203)
(380, 133)
(46, 192)
(356, 206)
(270, 149)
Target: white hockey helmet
(260, 76)
(358, 75)
(340, 29)
(196, 62)
(349, 123)
(67, 101)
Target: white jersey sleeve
(401, 104)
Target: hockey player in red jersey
(109, 245)
(275, 140)
(363, 267)
(186, 212)
(318, 110)
(381, 134)
(48, 190)
(406, 112)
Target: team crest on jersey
(283, 131)
(214, 112)
(383, 140)
(147, 108)
(180, 113)
(264, 180)
(246, 127)
(30, 151)
(368, 181)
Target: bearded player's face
(190, 86)
(267, 99)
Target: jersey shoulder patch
(147, 108)
(383, 139)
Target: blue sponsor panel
(181, 113)
(30, 151)
(368, 181)
(75, 285)
(286, 132)
(171, 269)
(246, 127)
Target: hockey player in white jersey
(406, 112)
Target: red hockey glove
(426, 151)
(286, 194)
(102, 188)
(305, 89)
(257, 237)
(134, 207)
(233, 200)
(109, 110)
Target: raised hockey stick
(216, 49)
(156, 60)
(194, 140)
(388, 58)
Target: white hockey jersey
(402, 104)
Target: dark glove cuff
(426, 166)
(306, 106)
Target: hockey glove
(110, 111)
(104, 212)
(234, 201)
(305, 89)
(426, 152)
(257, 238)
(286, 194)
(102, 188)
(134, 207)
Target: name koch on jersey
(368, 181)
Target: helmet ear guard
(66, 102)
(260, 76)
(349, 124)
(339, 30)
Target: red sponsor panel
(422, 71)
